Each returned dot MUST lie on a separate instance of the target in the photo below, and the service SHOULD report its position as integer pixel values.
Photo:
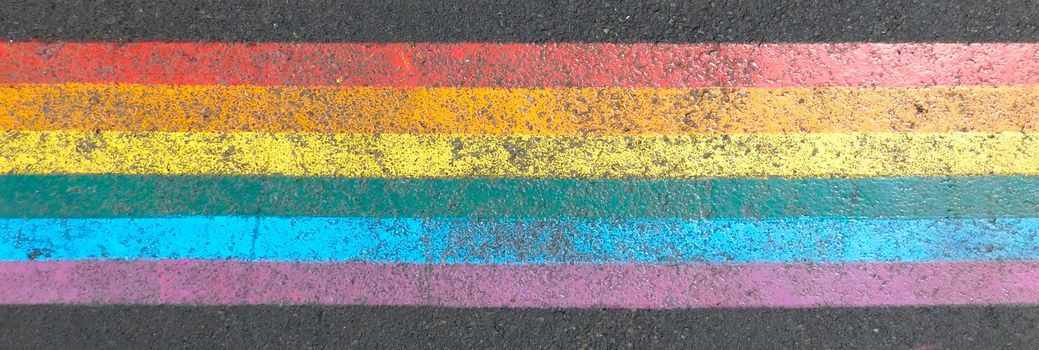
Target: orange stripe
(498, 111)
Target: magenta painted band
(578, 286)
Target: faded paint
(591, 286)
(156, 195)
(523, 65)
(521, 241)
(496, 111)
(418, 156)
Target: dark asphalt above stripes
(146, 196)
(524, 21)
(306, 327)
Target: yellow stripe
(394, 155)
(499, 111)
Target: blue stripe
(520, 241)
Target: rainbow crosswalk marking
(506, 175)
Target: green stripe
(143, 196)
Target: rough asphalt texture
(519, 21)
(307, 327)
(524, 20)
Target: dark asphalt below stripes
(523, 20)
(294, 327)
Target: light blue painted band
(449, 240)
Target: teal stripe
(146, 196)
(521, 241)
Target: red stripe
(522, 65)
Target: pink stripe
(522, 65)
(613, 286)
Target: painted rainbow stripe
(448, 156)
(519, 175)
(587, 286)
(105, 196)
(464, 241)
(512, 111)
(523, 65)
